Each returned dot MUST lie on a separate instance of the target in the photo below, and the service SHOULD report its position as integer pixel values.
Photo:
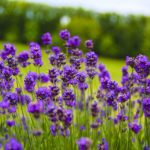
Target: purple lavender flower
(7, 73)
(64, 34)
(44, 78)
(11, 62)
(101, 67)
(84, 143)
(4, 104)
(10, 123)
(135, 127)
(68, 117)
(23, 58)
(81, 77)
(142, 66)
(56, 50)
(77, 53)
(42, 93)
(91, 72)
(64, 131)
(69, 74)
(36, 54)
(60, 113)
(9, 49)
(69, 98)
(37, 132)
(53, 129)
(103, 145)
(130, 61)
(35, 108)
(11, 109)
(53, 74)
(13, 144)
(122, 117)
(1, 66)
(54, 91)
(89, 44)
(73, 42)
(95, 109)
(52, 113)
(146, 148)
(30, 81)
(124, 94)
(82, 128)
(111, 98)
(46, 38)
(11, 97)
(146, 107)
(91, 59)
(82, 86)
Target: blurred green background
(114, 35)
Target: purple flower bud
(30, 81)
(81, 77)
(73, 42)
(135, 127)
(46, 38)
(95, 109)
(89, 44)
(53, 73)
(10, 123)
(64, 34)
(69, 98)
(146, 148)
(42, 93)
(9, 49)
(35, 108)
(23, 57)
(37, 132)
(53, 129)
(56, 50)
(103, 145)
(91, 59)
(84, 143)
(146, 107)
(13, 144)
(44, 78)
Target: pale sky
(119, 6)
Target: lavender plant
(63, 108)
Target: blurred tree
(113, 35)
(146, 39)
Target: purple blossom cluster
(63, 98)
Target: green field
(113, 65)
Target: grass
(113, 65)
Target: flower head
(23, 58)
(46, 38)
(84, 143)
(146, 107)
(13, 144)
(64, 34)
(103, 145)
(73, 42)
(89, 44)
(69, 97)
(135, 127)
(9, 49)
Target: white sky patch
(119, 6)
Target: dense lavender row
(62, 108)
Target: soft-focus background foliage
(114, 35)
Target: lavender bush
(62, 109)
